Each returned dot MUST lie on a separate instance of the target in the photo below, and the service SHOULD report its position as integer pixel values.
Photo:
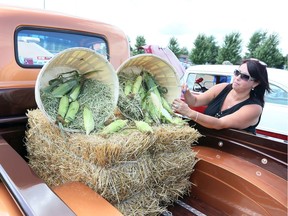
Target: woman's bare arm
(204, 98)
(246, 116)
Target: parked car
(202, 77)
(236, 173)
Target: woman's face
(242, 80)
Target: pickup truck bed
(237, 173)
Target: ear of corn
(153, 113)
(72, 111)
(53, 84)
(151, 84)
(166, 105)
(144, 104)
(143, 126)
(128, 87)
(154, 106)
(156, 102)
(64, 88)
(166, 116)
(137, 84)
(149, 81)
(63, 106)
(142, 92)
(89, 123)
(115, 126)
(179, 121)
(75, 92)
(147, 118)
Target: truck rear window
(35, 46)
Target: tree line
(205, 50)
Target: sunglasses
(244, 77)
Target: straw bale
(118, 148)
(171, 138)
(139, 173)
(142, 203)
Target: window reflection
(277, 95)
(35, 47)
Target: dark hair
(258, 70)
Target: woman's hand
(178, 106)
(188, 97)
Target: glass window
(202, 82)
(34, 46)
(277, 95)
(190, 80)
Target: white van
(274, 121)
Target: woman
(238, 105)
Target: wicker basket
(163, 72)
(83, 60)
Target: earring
(252, 89)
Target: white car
(274, 121)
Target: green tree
(212, 51)
(173, 45)
(269, 53)
(231, 49)
(255, 41)
(140, 41)
(184, 51)
(205, 50)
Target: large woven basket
(163, 72)
(83, 60)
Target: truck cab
(30, 38)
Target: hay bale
(138, 173)
(143, 203)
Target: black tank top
(214, 107)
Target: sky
(160, 20)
